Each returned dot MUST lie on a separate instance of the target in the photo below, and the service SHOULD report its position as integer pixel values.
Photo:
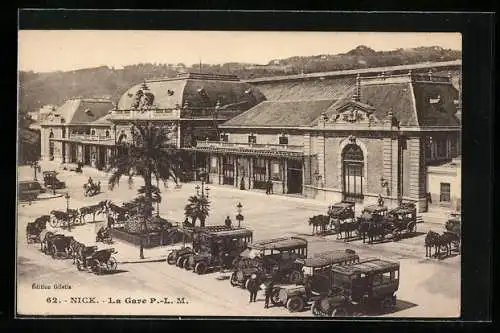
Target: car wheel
(200, 268)
(172, 257)
(275, 297)
(295, 304)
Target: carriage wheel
(111, 264)
(95, 266)
(180, 261)
(187, 265)
(53, 222)
(172, 257)
(275, 297)
(339, 311)
(234, 279)
(79, 265)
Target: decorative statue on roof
(143, 98)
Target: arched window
(352, 168)
(122, 138)
(107, 133)
(92, 132)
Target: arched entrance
(51, 146)
(352, 172)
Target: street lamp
(203, 177)
(67, 197)
(239, 217)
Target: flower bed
(152, 239)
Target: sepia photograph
(299, 174)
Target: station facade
(332, 137)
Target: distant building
(444, 183)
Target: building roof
(84, 111)
(281, 113)
(171, 93)
(328, 258)
(103, 120)
(318, 88)
(453, 64)
(408, 100)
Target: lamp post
(239, 217)
(203, 178)
(67, 197)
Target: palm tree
(198, 207)
(150, 155)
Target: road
(428, 287)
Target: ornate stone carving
(354, 112)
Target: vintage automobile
(316, 271)
(403, 219)
(218, 249)
(29, 190)
(357, 288)
(50, 180)
(342, 219)
(209, 241)
(372, 223)
(98, 262)
(270, 259)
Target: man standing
(268, 291)
(228, 222)
(253, 287)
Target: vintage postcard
(299, 174)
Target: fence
(153, 239)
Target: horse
(431, 239)
(349, 228)
(45, 235)
(320, 221)
(96, 209)
(75, 248)
(376, 230)
(363, 227)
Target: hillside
(38, 89)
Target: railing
(146, 114)
(258, 146)
(89, 137)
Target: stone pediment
(354, 112)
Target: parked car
(29, 190)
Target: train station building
(327, 136)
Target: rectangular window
(275, 170)
(445, 192)
(224, 137)
(213, 164)
(283, 140)
(252, 139)
(386, 277)
(259, 171)
(441, 146)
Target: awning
(110, 143)
(248, 152)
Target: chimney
(357, 93)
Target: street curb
(140, 261)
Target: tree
(197, 208)
(150, 155)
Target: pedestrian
(267, 187)
(267, 292)
(271, 191)
(228, 222)
(253, 287)
(380, 200)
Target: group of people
(254, 286)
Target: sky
(66, 50)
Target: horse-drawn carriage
(34, 229)
(342, 219)
(90, 189)
(104, 236)
(63, 219)
(373, 223)
(98, 261)
(403, 219)
(50, 180)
